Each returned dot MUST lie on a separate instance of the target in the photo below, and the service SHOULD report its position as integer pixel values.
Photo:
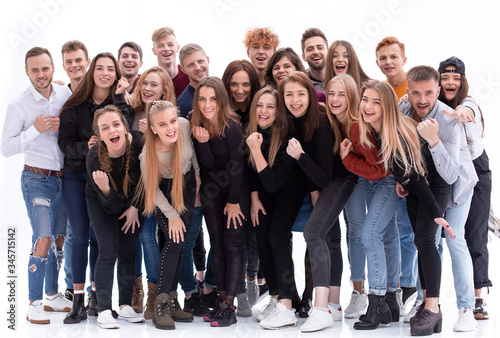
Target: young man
(261, 43)
(130, 60)
(314, 48)
(391, 58)
(194, 63)
(165, 48)
(75, 62)
(31, 127)
(448, 146)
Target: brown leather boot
(138, 296)
(176, 311)
(162, 318)
(150, 302)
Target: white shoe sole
(278, 327)
(109, 325)
(132, 319)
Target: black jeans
(113, 244)
(171, 254)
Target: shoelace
(163, 308)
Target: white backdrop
(431, 30)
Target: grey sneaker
(252, 291)
(244, 309)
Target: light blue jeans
(67, 260)
(461, 262)
(45, 206)
(409, 268)
(380, 236)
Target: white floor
(248, 327)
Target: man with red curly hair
(261, 43)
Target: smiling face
(207, 102)
(195, 65)
(151, 88)
(282, 68)
(75, 64)
(104, 73)
(166, 125)
(166, 50)
(296, 98)
(130, 62)
(371, 109)
(340, 60)
(390, 60)
(337, 100)
(423, 96)
(259, 54)
(315, 50)
(450, 83)
(113, 133)
(266, 110)
(240, 87)
(40, 70)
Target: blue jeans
(380, 236)
(355, 211)
(409, 267)
(147, 242)
(44, 201)
(68, 279)
(461, 262)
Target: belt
(45, 172)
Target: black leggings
(226, 244)
(171, 254)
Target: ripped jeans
(47, 213)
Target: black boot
(392, 302)
(378, 312)
(78, 312)
(92, 307)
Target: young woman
(454, 92)
(342, 59)
(224, 190)
(112, 175)
(322, 232)
(385, 141)
(283, 62)
(101, 86)
(311, 149)
(170, 175)
(153, 85)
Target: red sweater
(364, 162)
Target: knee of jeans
(42, 246)
(311, 236)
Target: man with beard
(314, 48)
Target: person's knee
(60, 242)
(42, 247)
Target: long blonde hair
(151, 175)
(352, 95)
(399, 138)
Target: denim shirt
(451, 155)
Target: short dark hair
(35, 51)
(422, 73)
(309, 33)
(74, 45)
(132, 45)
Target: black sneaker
(225, 316)
(479, 312)
(212, 313)
(210, 300)
(305, 306)
(409, 294)
(69, 293)
(194, 306)
(263, 292)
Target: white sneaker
(466, 321)
(336, 312)
(266, 311)
(318, 319)
(59, 303)
(127, 313)
(106, 321)
(399, 300)
(413, 311)
(36, 314)
(279, 318)
(357, 306)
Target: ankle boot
(176, 311)
(138, 296)
(92, 308)
(150, 302)
(378, 312)
(392, 302)
(161, 317)
(78, 312)
(427, 323)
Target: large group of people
(130, 164)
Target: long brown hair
(234, 67)
(279, 127)
(225, 113)
(277, 56)
(86, 88)
(352, 96)
(314, 112)
(166, 83)
(151, 175)
(102, 149)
